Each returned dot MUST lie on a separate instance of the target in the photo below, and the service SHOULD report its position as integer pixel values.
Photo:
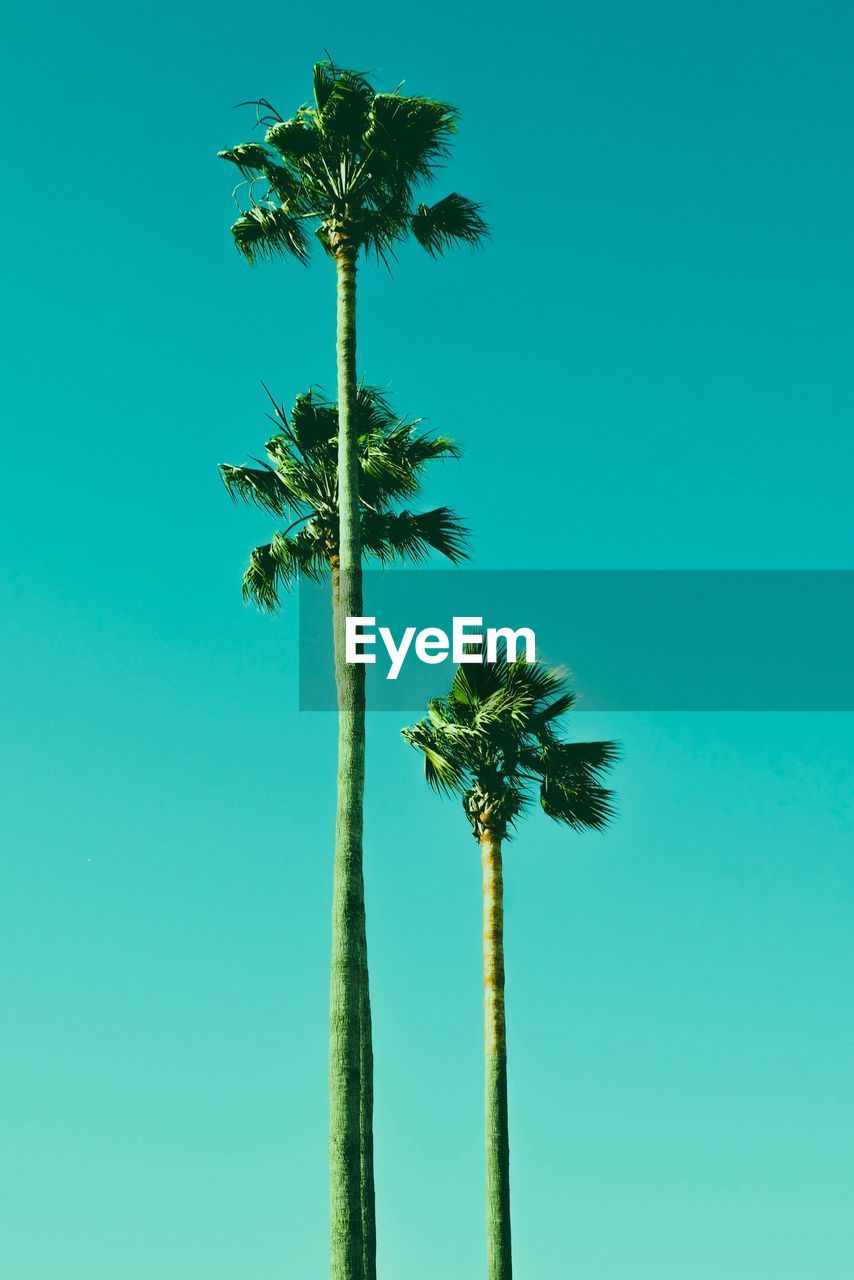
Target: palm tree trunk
(369, 1222)
(347, 1005)
(498, 1259)
(366, 1059)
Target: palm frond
(288, 187)
(425, 448)
(264, 232)
(441, 773)
(582, 807)
(451, 221)
(249, 157)
(437, 714)
(387, 475)
(475, 682)
(408, 136)
(265, 112)
(380, 229)
(328, 77)
(293, 139)
(393, 458)
(540, 681)
(344, 114)
(373, 410)
(314, 421)
(306, 481)
(577, 761)
(271, 570)
(546, 715)
(275, 567)
(260, 486)
(505, 713)
(310, 549)
(403, 535)
(323, 74)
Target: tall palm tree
(349, 164)
(494, 741)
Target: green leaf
(288, 188)
(324, 83)
(374, 413)
(439, 769)
(408, 136)
(269, 572)
(579, 761)
(554, 710)
(313, 421)
(344, 114)
(451, 221)
(582, 807)
(407, 536)
(262, 487)
(264, 232)
(308, 549)
(293, 139)
(249, 157)
(378, 232)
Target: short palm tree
(349, 164)
(494, 741)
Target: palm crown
(493, 740)
(350, 164)
(300, 481)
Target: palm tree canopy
(299, 481)
(349, 165)
(494, 740)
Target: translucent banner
(650, 640)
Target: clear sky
(649, 366)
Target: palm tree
(494, 741)
(349, 165)
(299, 482)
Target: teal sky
(649, 366)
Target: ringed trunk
(498, 1254)
(347, 1004)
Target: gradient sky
(648, 367)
